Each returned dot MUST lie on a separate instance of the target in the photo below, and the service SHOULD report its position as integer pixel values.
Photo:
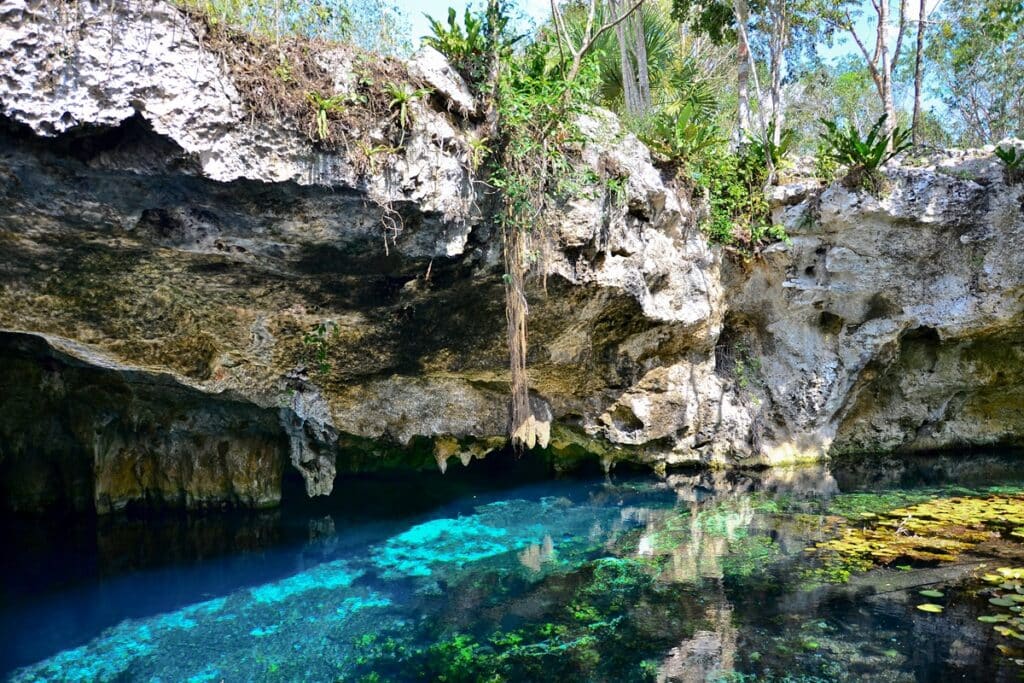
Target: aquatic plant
(929, 532)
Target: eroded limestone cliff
(194, 299)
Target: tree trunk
(777, 47)
(643, 77)
(632, 91)
(886, 70)
(918, 73)
(742, 72)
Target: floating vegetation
(1005, 590)
(928, 532)
(931, 607)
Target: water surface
(699, 576)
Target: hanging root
(525, 430)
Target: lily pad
(1001, 602)
(930, 607)
(932, 593)
(1011, 572)
(1008, 632)
(994, 618)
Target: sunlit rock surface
(150, 225)
(894, 324)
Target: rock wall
(894, 324)
(320, 316)
(77, 435)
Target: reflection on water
(693, 577)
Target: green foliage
(537, 111)
(847, 147)
(328, 19)
(715, 19)
(748, 368)
(738, 211)
(863, 156)
(683, 136)
(323, 108)
(372, 24)
(1013, 164)
(976, 67)
(402, 96)
(478, 150)
(761, 151)
(825, 166)
(317, 344)
(467, 45)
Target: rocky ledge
(195, 301)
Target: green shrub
(738, 211)
(863, 156)
(1013, 164)
(682, 137)
(466, 44)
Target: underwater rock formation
(318, 313)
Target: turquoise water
(699, 576)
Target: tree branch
(899, 35)
(612, 24)
(590, 39)
(863, 50)
(563, 35)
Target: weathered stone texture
(152, 229)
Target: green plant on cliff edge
(402, 96)
(864, 156)
(469, 45)
(1013, 164)
(323, 107)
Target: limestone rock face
(151, 224)
(82, 436)
(894, 324)
(194, 276)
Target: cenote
(805, 574)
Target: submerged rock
(333, 312)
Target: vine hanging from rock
(535, 98)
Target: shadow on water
(498, 572)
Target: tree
(978, 65)
(636, 81)
(785, 26)
(723, 22)
(579, 48)
(780, 22)
(917, 124)
(843, 92)
(881, 62)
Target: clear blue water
(699, 576)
